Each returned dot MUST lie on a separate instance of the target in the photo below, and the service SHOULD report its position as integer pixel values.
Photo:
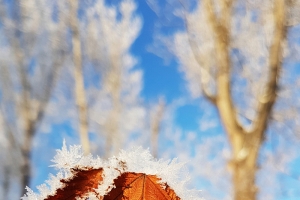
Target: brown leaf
(83, 182)
(140, 186)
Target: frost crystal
(135, 160)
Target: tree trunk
(155, 123)
(78, 77)
(244, 182)
(244, 164)
(244, 172)
(26, 156)
(26, 170)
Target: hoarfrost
(135, 160)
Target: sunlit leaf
(82, 182)
(136, 186)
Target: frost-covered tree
(241, 56)
(31, 56)
(115, 108)
(103, 75)
(84, 43)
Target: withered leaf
(140, 186)
(84, 181)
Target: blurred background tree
(83, 71)
(29, 68)
(49, 48)
(217, 36)
(241, 57)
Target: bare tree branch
(267, 101)
(199, 59)
(221, 28)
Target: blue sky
(159, 79)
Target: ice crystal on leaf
(132, 174)
(67, 159)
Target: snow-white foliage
(253, 21)
(117, 26)
(135, 160)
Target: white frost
(135, 160)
